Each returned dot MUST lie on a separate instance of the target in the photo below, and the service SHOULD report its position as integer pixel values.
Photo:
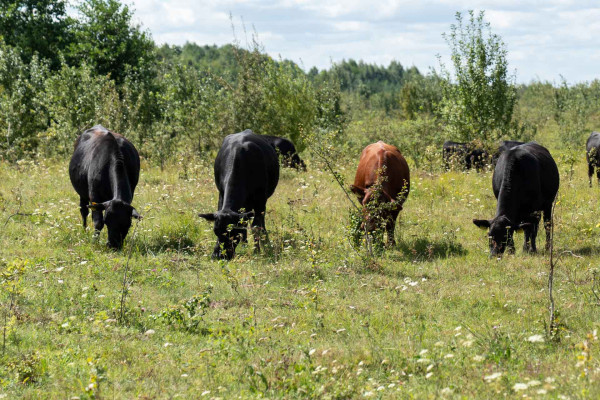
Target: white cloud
(545, 38)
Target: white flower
(520, 386)
(311, 352)
(533, 383)
(536, 339)
(149, 332)
(492, 377)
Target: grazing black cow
(104, 171)
(525, 182)
(505, 145)
(467, 155)
(592, 154)
(246, 174)
(287, 150)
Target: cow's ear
(99, 206)
(524, 225)
(482, 223)
(357, 190)
(135, 214)
(208, 216)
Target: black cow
(525, 182)
(467, 155)
(504, 145)
(104, 171)
(287, 150)
(246, 174)
(592, 154)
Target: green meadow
(310, 316)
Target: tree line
(62, 73)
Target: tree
(479, 95)
(36, 26)
(106, 38)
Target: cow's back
(247, 162)
(94, 151)
(529, 172)
(374, 158)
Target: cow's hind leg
(83, 209)
(591, 172)
(390, 227)
(259, 230)
(530, 236)
(597, 176)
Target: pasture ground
(434, 317)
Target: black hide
(104, 170)
(246, 175)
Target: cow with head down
(287, 151)
(104, 170)
(246, 175)
(383, 178)
(525, 182)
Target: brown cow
(382, 163)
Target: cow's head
(117, 218)
(500, 233)
(230, 228)
(298, 163)
(372, 201)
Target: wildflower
(492, 377)
(536, 339)
(149, 332)
(520, 386)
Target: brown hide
(385, 159)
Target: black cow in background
(592, 154)
(287, 150)
(104, 170)
(246, 175)
(525, 182)
(465, 154)
(504, 145)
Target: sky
(546, 39)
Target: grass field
(308, 318)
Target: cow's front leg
(98, 219)
(83, 209)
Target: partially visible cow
(504, 145)
(286, 149)
(592, 154)
(465, 154)
(246, 175)
(525, 182)
(382, 176)
(104, 170)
